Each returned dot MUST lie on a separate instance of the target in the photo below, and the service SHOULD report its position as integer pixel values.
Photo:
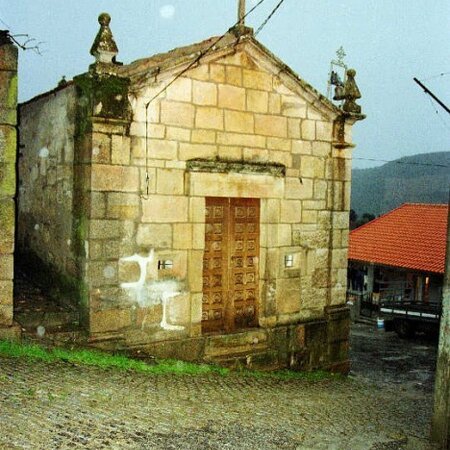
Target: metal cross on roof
(340, 53)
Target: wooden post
(440, 428)
(241, 13)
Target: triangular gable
(165, 66)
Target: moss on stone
(11, 101)
(104, 96)
(8, 144)
(7, 214)
(7, 179)
(80, 234)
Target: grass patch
(17, 350)
(105, 360)
(166, 366)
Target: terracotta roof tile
(412, 236)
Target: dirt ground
(385, 403)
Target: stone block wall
(229, 109)
(46, 187)
(8, 151)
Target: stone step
(262, 360)
(241, 343)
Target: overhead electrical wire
(201, 55)
(400, 162)
(268, 17)
(205, 52)
(4, 23)
(194, 63)
(437, 113)
(434, 77)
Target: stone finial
(62, 82)
(351, 93)
(4, 37)
(104, 48)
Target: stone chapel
(194, 204)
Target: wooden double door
(230, 264)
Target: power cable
(401, 162)
(437, 113)
(434, 77)
(202, 54)
(268, 18)
(4, 23)
(192, 64)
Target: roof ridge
(428, 205)
(403, 205)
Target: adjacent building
(401, 255)
(8, 152)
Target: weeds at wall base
(103, 360)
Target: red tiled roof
(412, 236)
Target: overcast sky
(388, 42)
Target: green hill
(419, 178)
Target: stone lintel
(210, 184)
(221, 166)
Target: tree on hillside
(356, 222)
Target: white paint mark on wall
(153, 292)
(138, 287)
(165, 290)
(95, 151)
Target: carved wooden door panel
(215, 262)
(230, 265)
(244, 255)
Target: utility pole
(241, 13)
(440, 429)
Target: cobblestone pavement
(62, 406)
(385, 359)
